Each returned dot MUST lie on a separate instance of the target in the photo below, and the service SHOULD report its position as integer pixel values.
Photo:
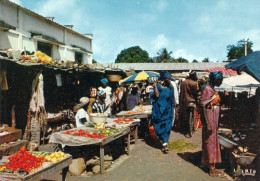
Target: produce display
(51, 157)
(96, 134)
(139, 110)
(123, 121)
(24, 162)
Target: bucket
(152, 133)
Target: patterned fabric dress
(162, 112)
(210, 144)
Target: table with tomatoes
(125, 122)
(25, 165)
(91, 136)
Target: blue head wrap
(104, 81)
(215, 76)
(165, 75)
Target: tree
(238, 51)
(133, 55)
(94, 61)
(194, 61)
(181, 60)
(205, 59)
(164, 56)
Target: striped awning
(222, 69)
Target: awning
(4, 25)
(222, 69)
(47, 39)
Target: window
(45, 48)
(78, 57)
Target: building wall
(28, 23)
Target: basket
(98, 117)
(114, 78)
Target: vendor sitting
(99, 105)
(82, 115)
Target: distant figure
(176, 99)
(132, 99)
(187, 94)
(92, 98)
(82, 115)
(108, 91)
(119, 94)
(210, 115)
(99, 105)
(163, 107)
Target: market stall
(91, 136)
(142, 112)
(239, 123)
(30, 166)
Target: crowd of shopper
(169, 99)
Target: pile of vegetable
(96, 134)
(51, 157)
(123, 120)
(181, 145)
(22, 161)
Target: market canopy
(140, 76)
(222, 69)
(249, 64)
(239, 83)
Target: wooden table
(100, 142)
(133, 126)
(42, 173)
(109, 139)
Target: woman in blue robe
(163, 107)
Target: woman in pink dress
(210, 115)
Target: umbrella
(140, 76)
(249, 64)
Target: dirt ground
(147, 162)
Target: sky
(192, 29)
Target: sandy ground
(147, 162)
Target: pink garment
(210, 144)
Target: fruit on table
(22, 161)
(99, 125)
(56, 156)
(123, 120)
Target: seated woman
(82, 115)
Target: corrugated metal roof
(165, 66)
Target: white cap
(84, 100)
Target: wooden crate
(12, 135)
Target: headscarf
(104, 81)
(165, 75)
(215, 76)
(101, 92)
(84, 100)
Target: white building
(23, 29)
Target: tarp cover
(70, 140)
(249, 64)
(234, 83)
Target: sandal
(165, 149)
(217, 173)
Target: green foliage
(94, 61)
(163, 56)
(194, 61)
(133, 55)
(180, 60)
(205, 59)
(238, 51)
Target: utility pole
(246, 40)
